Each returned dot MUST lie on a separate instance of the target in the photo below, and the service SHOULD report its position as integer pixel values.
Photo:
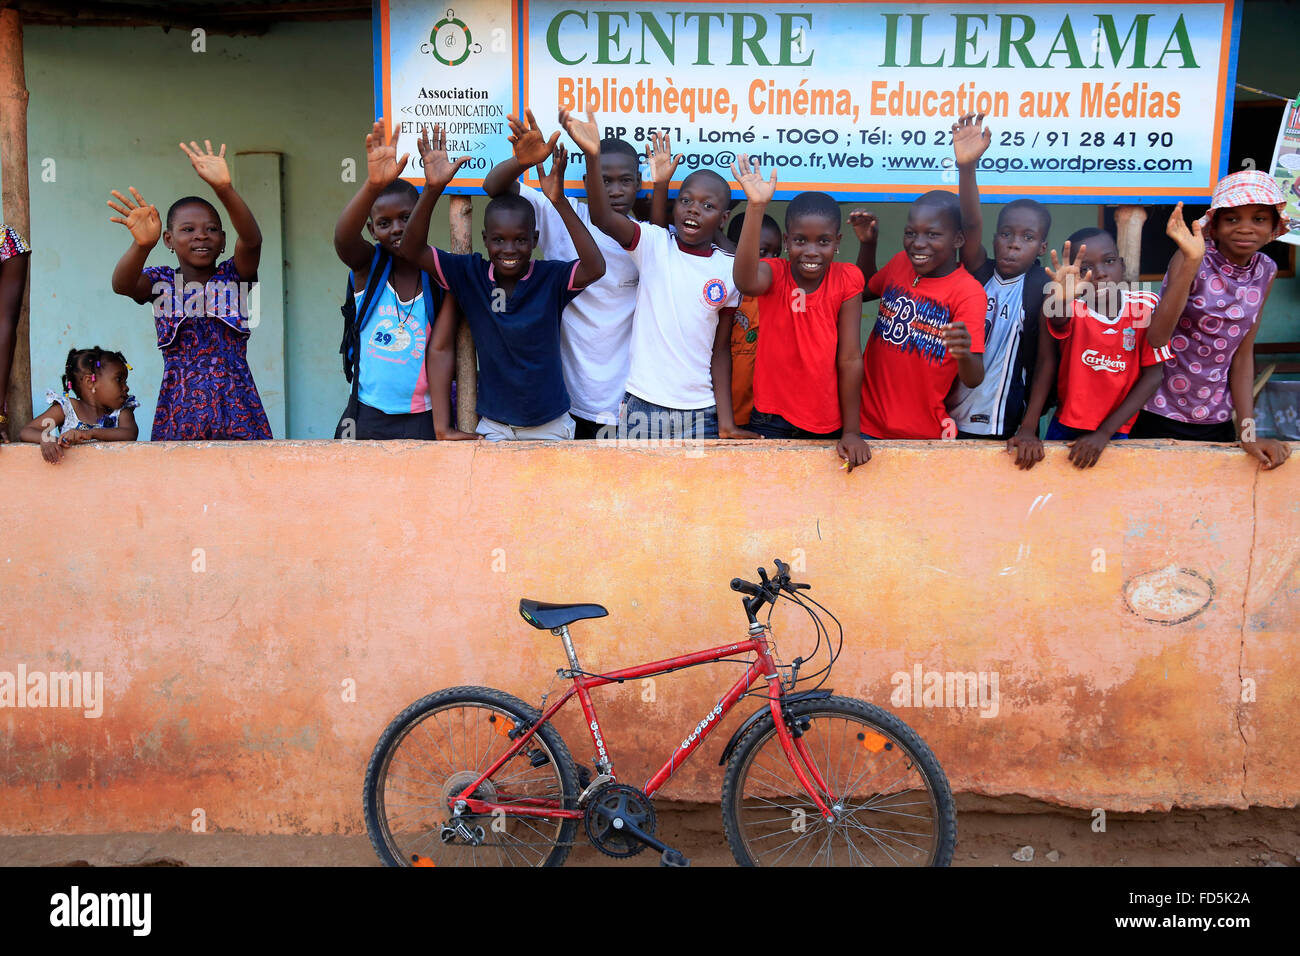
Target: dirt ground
(989, 831)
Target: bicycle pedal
(538, 758)
(673, 857)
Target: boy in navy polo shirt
(512, 302)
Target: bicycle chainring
(627, 802)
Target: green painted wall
(109, 105)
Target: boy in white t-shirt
(685, 286)
(596, 331)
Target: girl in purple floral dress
(1221, 289)
(200, 307)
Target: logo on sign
(450, 41)
(715, 292)
(1103, 363)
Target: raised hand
(530, 146)
(1189, 241)
(438, 169)
(140, 218)
(585, 133)
(970, 139)
(1067, 277)
(382, 164)
(865, 225)
(757, 190)
(553, 182)
(660, 158)
(211, 167)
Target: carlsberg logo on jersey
(1103, 363)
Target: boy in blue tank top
(1019, 356)
(512, 302)
(393, 396)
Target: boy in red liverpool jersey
(1107, 370)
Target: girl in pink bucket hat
(1212, 371)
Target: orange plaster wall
(399, 567)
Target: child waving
(93, 406)
(1219, 281)
(391, 397)
(1108, 368)
(513, 303)
(200, 307)
(808, 372)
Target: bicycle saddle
(545, 616)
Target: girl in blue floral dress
(94, 405)
(200, 307)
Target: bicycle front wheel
(440, 745)
(892, 803)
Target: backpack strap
(432, 299)
(381, 266)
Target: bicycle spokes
(442, 755)
(884, 810)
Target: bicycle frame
(761, 668)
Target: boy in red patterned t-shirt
(930, 328)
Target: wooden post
(462, 215)
(1128, 229)
(16, 209)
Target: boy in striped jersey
(1019, 356)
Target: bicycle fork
(801, 761)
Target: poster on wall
(1087, 102)
(1286, 167)
(449, 65)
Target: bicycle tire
(410, 761)
(762, 799)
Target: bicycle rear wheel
(440, 745)
(894, 804)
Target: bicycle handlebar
(760, 594)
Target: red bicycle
(475, 776)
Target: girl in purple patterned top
(1212, 372)
(200, 307)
